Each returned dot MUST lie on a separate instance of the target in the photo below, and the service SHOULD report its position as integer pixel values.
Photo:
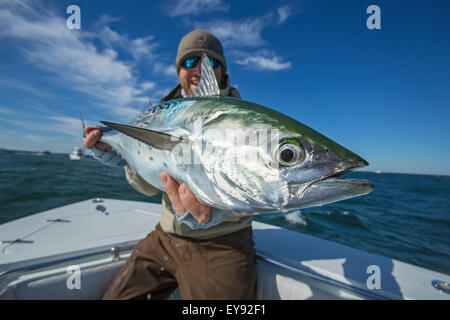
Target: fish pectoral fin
(154, 139)
(208, 86)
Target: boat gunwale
(116, 250)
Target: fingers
(184, 200)
(88, 130)
(93, 134)
(171, 188)
(200, 212)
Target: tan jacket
(232, 223)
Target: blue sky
(384, 94)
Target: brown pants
(219, 268)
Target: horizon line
(357, 170)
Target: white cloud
(6, 111)
(22, 85)
(260, 62)
(142, 48)
(139, 48)
(283, 13)
(67, 125)
(74, 61)
(247, 33)
(102, 65)
(147, 85)
(37, 142)
(104, 20)
(243, 33)
(194, 7)
(109, 37)
(166, 69)
(34, 138)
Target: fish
(236, 155)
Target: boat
(77, 154)
(43, 153)
(74, 251)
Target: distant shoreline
(44, 152)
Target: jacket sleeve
(217, 216)
(139, 184)
(112, 159)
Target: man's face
(190, 77)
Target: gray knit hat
(199, 41)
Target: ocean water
(406, 217)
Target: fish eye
(290, 153)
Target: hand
(93, 134)
(184, 200)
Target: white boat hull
(74, 157)
(97, 236)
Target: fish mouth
(329, 188)
(334, 189)
(344, 168)
(364, 186)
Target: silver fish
(237, 155)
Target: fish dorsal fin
(208, 86)
(155, 139)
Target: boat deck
(97, 236)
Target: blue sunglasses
(192, 62)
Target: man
(216, 262)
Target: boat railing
(116, 251)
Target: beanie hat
(199, 41)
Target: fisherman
(216, 262)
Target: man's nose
(198, 69)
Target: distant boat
(378, 171)
(43, 153)
(76, 154)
